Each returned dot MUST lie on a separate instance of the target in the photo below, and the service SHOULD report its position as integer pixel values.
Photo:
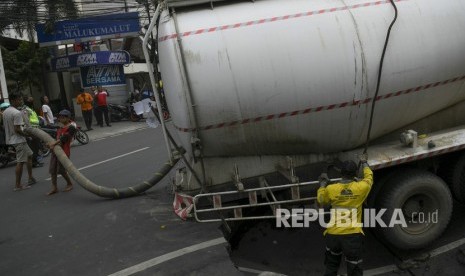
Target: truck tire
(454, 174)
(373, 196)
(415, 192)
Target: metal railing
(216, 199)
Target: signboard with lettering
(92, 58)
(88, 29)
(104, 75)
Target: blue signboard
(91, 58)
(104, 75)
(88, 29)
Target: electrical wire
(380, 71)
(86, 8)
(373, 105)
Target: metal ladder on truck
(214, 207)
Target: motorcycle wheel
(44, 151)
(81, 137)
(4, 159)
(134, 117)
(115, 118)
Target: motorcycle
(8, 153)
(120, 112)
(79, 134)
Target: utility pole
(152, 41)
(3, 79)
(125, 6)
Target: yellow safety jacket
(33, 118)
(346, 201)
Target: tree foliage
(23, 15)
(58, 10)
(24, 66)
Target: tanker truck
(265, 94)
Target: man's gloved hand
(323, 179)
(363, 158)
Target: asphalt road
(300, 251)
(78, 233)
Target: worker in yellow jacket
(344, 234)
(32, 120)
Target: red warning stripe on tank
(274, 19)
(322, 108)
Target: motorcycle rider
(32, 120)
(3, 106)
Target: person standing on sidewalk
(93, 91)
(64, 137)
(48, 114)
(102, 106)
(85, 100)
(13, 122)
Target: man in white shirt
(13, 122)
(48, 114)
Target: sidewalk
(117, 128)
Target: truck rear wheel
(454, 174)
(425, 202)
(373, 197)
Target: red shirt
(102, 98)
(65, 135)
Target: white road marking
(115, 135)
(108, 160)
(447, 247)
(169, 256)
(380, 270)
(249, 270)
(433, 253)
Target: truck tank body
(268, 78)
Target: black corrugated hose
(373, 105)
(380, 71)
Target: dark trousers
(103, 112)
(34, 144)
(97, 114)
(350, 246)
(87, 115)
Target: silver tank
(276, 77)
